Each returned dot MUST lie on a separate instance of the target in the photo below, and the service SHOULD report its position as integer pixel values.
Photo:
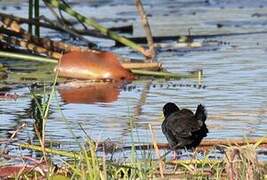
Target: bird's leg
(174, 155)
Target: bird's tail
(201, 113)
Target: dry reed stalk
(13, 24)
(242, 163)
(41, 141)
(233, 142)
(206, 144)
(195, 161)
(154, 140)
(141, 65)
(30, 46)
(146, 26)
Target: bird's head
(169, 108)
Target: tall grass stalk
(43, 107)
(154, 141)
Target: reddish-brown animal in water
(92, 65)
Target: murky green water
(234, 75)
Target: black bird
(183, 128)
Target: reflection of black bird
(183, 128)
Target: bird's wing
(181, 124)
(167, 131)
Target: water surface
(234, 75)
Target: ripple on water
(235, 76)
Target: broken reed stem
(147, 66)
(161, 164)
(46, 43)
(30, 46)
(210, 143)
(146, 26)
(17, 31)
(10, 23)
(233, 142)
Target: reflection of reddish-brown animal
(92, 93)
(93, 65)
